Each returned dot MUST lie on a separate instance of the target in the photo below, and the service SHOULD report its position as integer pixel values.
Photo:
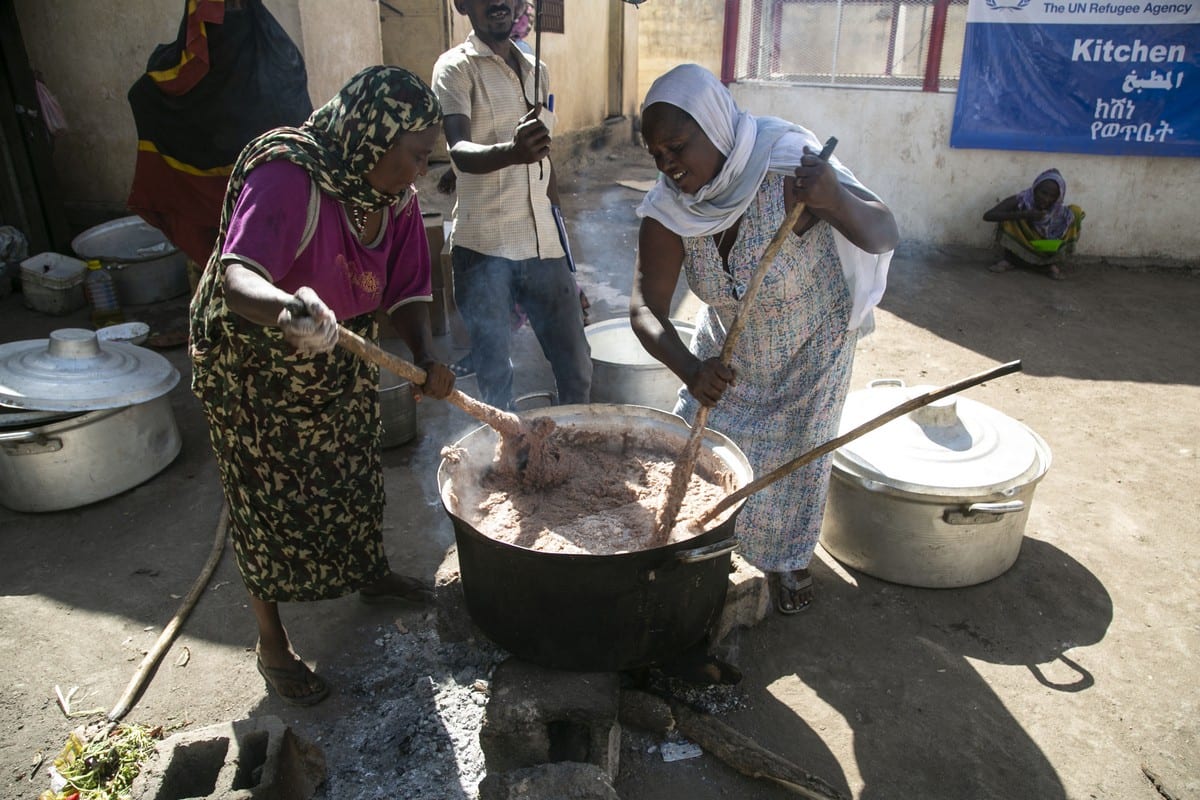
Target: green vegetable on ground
(104, 767)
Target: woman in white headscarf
(727, 181)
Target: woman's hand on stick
(816, 182)
(709, 380)
(316, 331)
(439, 381)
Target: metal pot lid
(73, 370)
(955, 446)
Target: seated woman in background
(1035, 228)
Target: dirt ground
(1070, 676)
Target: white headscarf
(752, 146)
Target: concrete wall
(415, 33)
(1138, 209)
(337, 39)
(92, 52)
(673, 32)
(632, 55)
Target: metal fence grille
(852, 43)
(551, 18)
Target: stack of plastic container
(53, 283)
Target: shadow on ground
(1102, 323)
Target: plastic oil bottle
(101, 293)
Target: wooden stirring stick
(682, 473)
(868, 426)
(507, 423)
(527, 451)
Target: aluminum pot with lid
(938, 498)
(82, 419)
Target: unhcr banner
(1116, 77)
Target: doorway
(29, 195)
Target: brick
(250, 759)
(747, 601)
(538, 716)
(564, 781)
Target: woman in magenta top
(323, 215)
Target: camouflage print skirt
(297, 441)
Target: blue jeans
(485, 289)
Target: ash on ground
(411, 727)
(408, 721)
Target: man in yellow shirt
(505, 246)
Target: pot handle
(878, 382)
(707, 552)
(29, 443)
(543, 395)
(982, 512)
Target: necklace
(358, 217)
(721, 237)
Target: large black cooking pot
(596, 612)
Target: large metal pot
(397, 409)
(144, 264)
(938, 498)
(71, 462)
(623, 372)
(84, 419)
(596, 612)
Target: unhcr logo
(1007, 5)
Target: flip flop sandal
(298, 675)
(416, 592)
(789, 591)
(464, 367)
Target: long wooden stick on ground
(150, 661)
(645, 710)
(682, 473)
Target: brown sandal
(295, 684)
(409, 590)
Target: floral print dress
(793, 362)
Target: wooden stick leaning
(682, 473)
(868, 426)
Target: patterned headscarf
(1060, 217)
(344, 139)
